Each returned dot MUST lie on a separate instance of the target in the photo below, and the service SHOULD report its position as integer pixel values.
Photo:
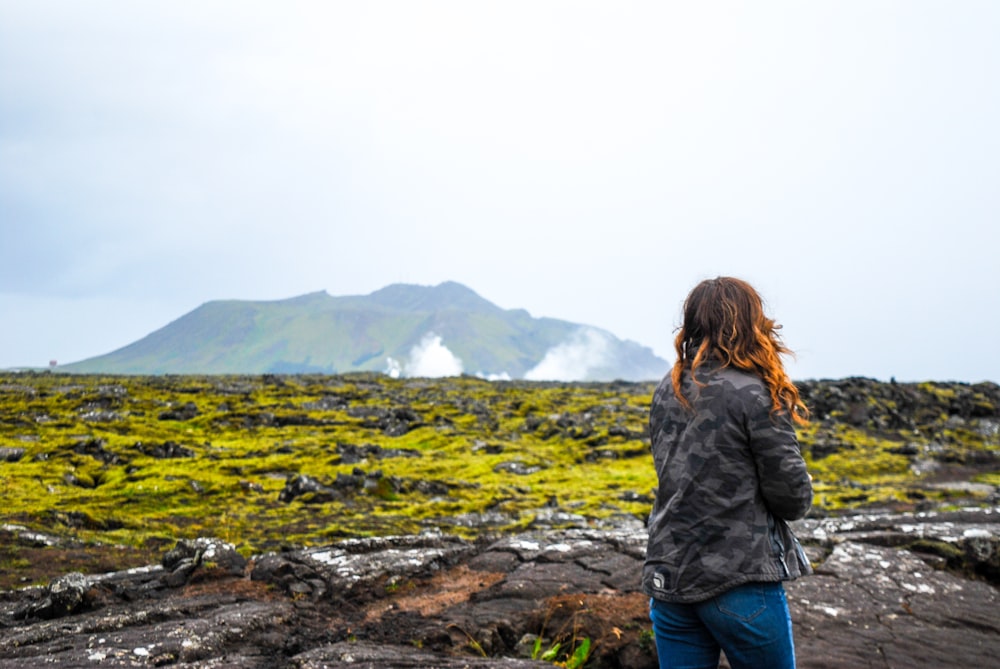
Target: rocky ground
(890, 590)
(483, 548)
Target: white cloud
(572, 360)
(431, 358)
(139, 140)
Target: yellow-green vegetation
(864, 469)
(890, 444)
(991, 478)
(144, 461)
(140, 460)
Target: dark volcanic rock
(301, 485)
(371, 656)
(894, 406)
(166, 450)
(63, 596)
(906, 591)
(95, 449)
(8, 454)
(871, 606)
(187, 411)
(392, 422)
(352, 454)
(518, 468)
(181, 561)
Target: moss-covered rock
(148, 460)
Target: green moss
(939, 391)
(990, 478)
(949, 551)
(247, 435)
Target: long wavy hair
(724, 320)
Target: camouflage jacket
(730, 474)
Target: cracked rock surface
(905, 591)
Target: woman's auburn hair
(724, 319)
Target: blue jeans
(750, 623)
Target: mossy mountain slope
(320, 333)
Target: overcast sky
(584, 161)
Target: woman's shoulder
(740, 377)
(717, 383)
(742, 387)
(733, 377)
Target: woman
(730, 474)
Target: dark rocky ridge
(888, 408)
(903, 590)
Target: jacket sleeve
(781, 470)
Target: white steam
(586, 349)
(429, 358)
(502, 376)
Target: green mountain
(401, 329)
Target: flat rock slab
(871, 606)
(878, 599)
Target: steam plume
(572, 360)
(428, 358)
